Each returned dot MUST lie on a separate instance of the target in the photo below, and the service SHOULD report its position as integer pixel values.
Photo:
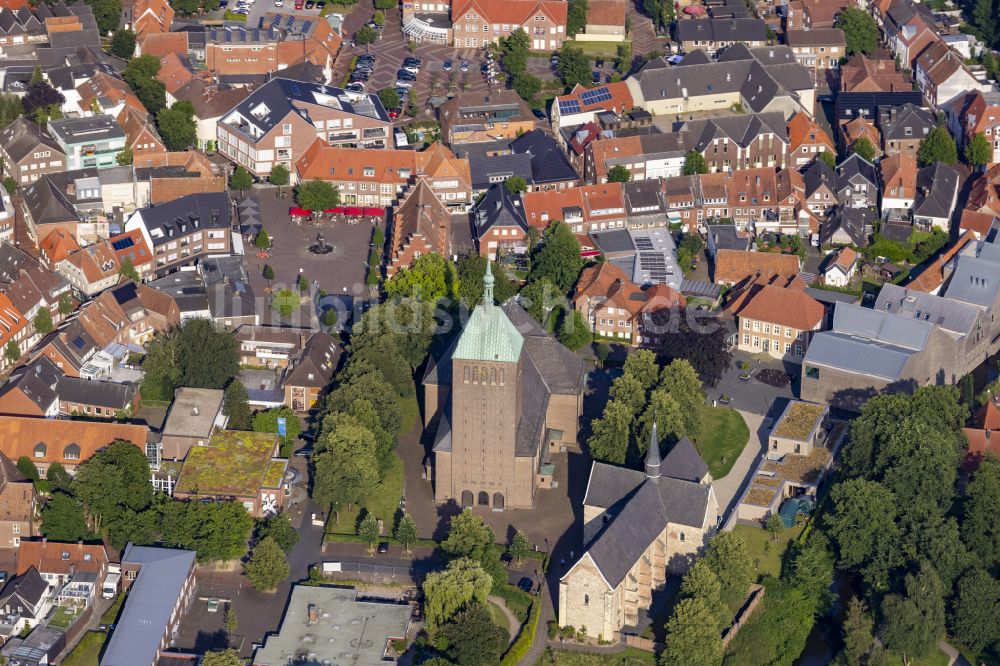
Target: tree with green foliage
(542, 299)
(979, 152)
(915, 620)
(228, 657)
(669, 418)
(11, 109)
(231, 621)
(980, 528)
(975, 618)
(43, 321)
(574, 66)
(124, 157)
(385, 4)
(607, 441)
(704, 344)
(574, 332)
(694, 163)
(857, 631)
(429, 278)
(623, 58)
(693, 637)
(240, 180)
(267, 421)
(58, 478)
(10, 185)
(701, 583)
(107, 13)
(27, 468)
(368, 531)
(140, 75)
(519, 546)
(641, 365)
(177, 126)
(446, 592)
(619, 174)
(557, 258)
(347, 470)
(268, 273)
(863, 526)
(576, 19)
(317, 195)
(774, 525)
(236, 406)
(63, 519)
(365, 35)
(860, 30)
(727, 556)
(516, 185)
(129, 271)
(267, 566)
(378, 18)
(829, 158)
(285, 302)
(278, 527)
(473, 638)
(526, 86)
(864, 148)
(65, 304)
(196, 355)
(680, 379)
(468, 536)
(217, 531)
(123, 43)
(938, 146)
(406, 532)
(114, 478)
(515, 52)
(471, 269)
(389, 98)
(263, 240)
(279, 176)
(12, 352)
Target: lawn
(935, 658)
(766, 554)
(62, 617)
(627, 657)
(409, 412)
(724, 434)
(499, 617)
(598, 49)
(87, 650)
(111, 615)
(383, 503)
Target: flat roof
(344, 630)
(233, 464)
(799, 420)
(193, 412)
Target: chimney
(313, 614)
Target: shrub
(523, 643)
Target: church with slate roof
(639, 527)
(501, 398)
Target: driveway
(729, 487)
(754, 396)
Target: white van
(110, 587)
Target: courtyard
(332, 276)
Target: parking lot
(258, 8)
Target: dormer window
(87, 557)
(71, 452)
(40, 450)
(260, 111)
(65, 555)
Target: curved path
(513, 624)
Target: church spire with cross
(488, 283)
(653, 460)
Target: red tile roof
(787, 307)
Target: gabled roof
(854, 166)
(741, 129)
(817, 175)
(804, 131)
(50, 557)
(788, 307)
(37, 383)
(517, 12)
(24, 137)
(422, 214)
(608, 97)
(58, 245)
(905, 122)
(29, 587)
(733, 265)
(549, 163)
(684, 462)
(877, 73)
(606, 12)
(857, 223)
(720, 30)
(951, 315)
(499, 208)
(315, 366)
(937, 188)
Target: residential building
(311, 372)
(714, 34)
(796, 430)
(332, 611)
(982, 441)
(221, 294)
(974, 113)
(31, 390)
(499, 224)
(778, 321)
(237, 53)
(904, 127)
(211, 101)
(734, 266)
(852, 105)
(550, 168)
(857, 182)
(806, 139)
(278, 121)
(760, 79)
(96, 399)
(840, 267)
(149, 17)
(477, 23)
(45, 441)
(820, 187)
(648, 255)
(646, 156)
(585, 209)
(56, 246)
(161, 584)
(639, 527)
(28, 151)
(942, 75)
(472, 117)
(18, 506)
(421, 225)
(909, 29)
(14, 328)
(582, 105)
(875, 73)
(193, 417)
(91, 270)
(502, 359)
(813, 14)
(106, 94)
(862, 128)
(236, 465)
(741, 142)
(273, 347)
(937, 194)
(899, 184)
(88, 142)
(184, 230)
(819, 50)
(141, 136)
(848, 226)
(615, 307)
(25, 601)
(21, 25)
(57, 563)
(605, 21)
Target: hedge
(517, 601)
(523, 643)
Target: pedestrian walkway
(729, 487)
(513, 624)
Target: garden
(723, 437)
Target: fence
(756, 594)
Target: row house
(147, 17)
(499, 224)
(618, 309)
(909, 29)
(368, 177)
(88, 142)
(583, 105)
(421, 225)
(70, 443)
(741, 142)
(813, 14)
(29, 151)
(22, 25)
(478, 23)
(899, 184)
(282, 40)
(903, 128)
(97, 267)
(647, 156)
(36, 288)
(714, 34)
(280, 120)
(976, 112)
(584, 209)
(182, 231)
(862, 128)
(106, 94)
(20, 502)
(42, 390)
(818, 50)
(806, 140)
(942, 75)
(15, 330)
(476, 117)
(875, 73)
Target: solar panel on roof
(78, 342)
(643, 243)
(123, 243)
(570, 106)
(596, 95)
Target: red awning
(353, 211)
(694, 10)
(374, 212)
(300, 212)
(337, 209)
(590, 253)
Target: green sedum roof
(489, 336)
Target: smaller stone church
(638, 528)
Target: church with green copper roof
(501, 397)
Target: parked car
(393, 113)
(525, 584)
(412, 69)
(320, 5)
(465, 65)
(402, 91)
(595, 77)
(213, 605)
(505, 559)
(538, 113)
(447, 65)
(599, 63)
(400, 83)
(356, 87)
(405, 75)
(383, 547)
(358, 76)
(306, 451)
(310, 4)
(299, 4)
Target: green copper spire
(488, 283)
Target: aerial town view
(499, 332)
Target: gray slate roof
(23, 137)
(741, 129)
(150, 603)
(499, 208)
(110, 395)
(976, 278)
(683, 462)
(208, 210)
(720, 30)
(895, 121)
(549, 163)
(937, 187)
(949, 314)
(487, 171)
